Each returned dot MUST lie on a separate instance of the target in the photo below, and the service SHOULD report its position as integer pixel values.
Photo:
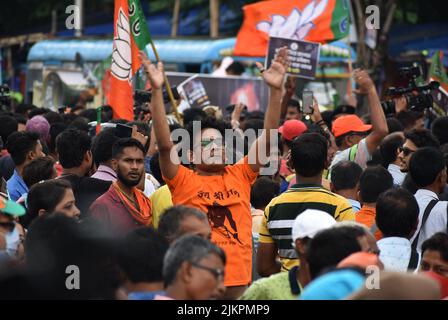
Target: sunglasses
(217, 142)
(406, 151)
(217, 273)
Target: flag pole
(168, 87)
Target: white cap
(310, 222)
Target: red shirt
(113, 214)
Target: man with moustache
(124, 207)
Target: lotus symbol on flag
(297, 25)
(121, 54)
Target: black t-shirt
(86, 190)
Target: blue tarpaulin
(430, 37)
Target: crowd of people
(356, 208)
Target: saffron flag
(310, 20)
(437, 70)
(130, 35)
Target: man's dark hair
(439, 128)
(257, 114)
(293, 103)
(123, 143)
(37, 170)
(309, 154)
(20, 118)
(425, 165)
(141, 255)
(193, 114)
(389, 148)
(345, 175)
(254, 124)
(374, 181)
(206, 123)
(24, 108)
(55, 241)
(20, 143)
(188, 248)
(397, 213)
(53, 117)
(422, 138)
(89, 114)
(80, 123)
(171, 219)
(236, 68)
(71, 146)
(393, 125)
(8, 126)
(55, 130)
(408, 118)
(38, 112)
(438, 242)
(102, 145)
(331, 246)
(409, 184)
(263, 191)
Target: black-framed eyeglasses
(406, 151)
(217, 273)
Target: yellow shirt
(161, 200)
(279, 216)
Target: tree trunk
(175, 22)
(214, 18)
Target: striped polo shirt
(281, 212)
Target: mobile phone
(307, 102)
(123, 131)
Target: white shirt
(361, 158)
(355, 205)
(395, 253)
(437, 219)
(396, 173)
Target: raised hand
(155, 74)
(275, 75)
(363, 80)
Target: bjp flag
(310, 20)
(130, 35)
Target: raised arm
(274, 77)
(378, 119)
(168, 165)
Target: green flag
(437, 70)
(139, 28)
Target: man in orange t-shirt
(223, 192)
(373, 181)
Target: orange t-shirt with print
(226, 201)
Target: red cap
(349, 123)
(292, 129)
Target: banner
(437, 70)
(303, 56)
(222, 91)
(194, 91)
(310, 20)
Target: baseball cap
(349, 123)
(310, 222)
(292, 129)
(11, 208)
